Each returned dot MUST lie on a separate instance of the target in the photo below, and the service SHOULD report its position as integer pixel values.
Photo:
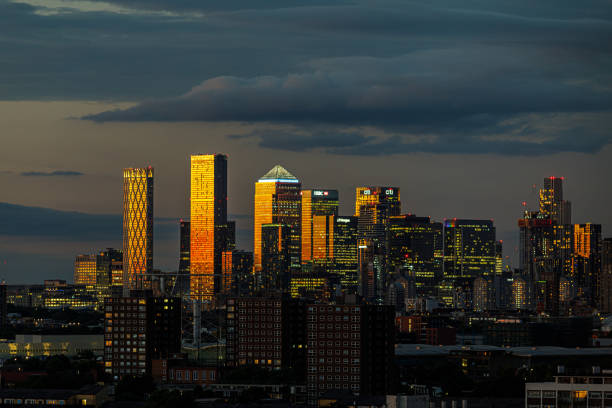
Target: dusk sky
(465, 105)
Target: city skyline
(170, 237)
(463, 106)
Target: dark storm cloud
(54, 173)
(215, 5)
(489, 100)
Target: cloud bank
(513, 104)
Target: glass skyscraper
(208, 223)
(318, 210)
(137, 228)
(277, 200)
(469, 248)
(416, 248)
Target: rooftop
(278, 174)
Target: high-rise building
(520, 294)
(237, 273)
(415, 247)
(346, 257)
(137, 228)
(268, 332)
(586, 262)
(373, 206)
(185, 231)
(605, 279)
(182, 280)
(109, 274)
(552, 204)
(277, 201)
(372, 274)
(469, 248)
(483, 298)
(85, 270)
(318, 209)
(350, 347)
(275, 257)
(209, 227)
(138, 330)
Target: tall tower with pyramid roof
(277, 201)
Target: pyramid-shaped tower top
(278, 174)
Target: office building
(275, 257)
(137, 228)
(277, 201)
(208, 234)
(137, 330)
(85, 270)
(373, 206)
(350, 347)
(586, 262)
(520, 294)
(100, 274)
(268, 332)
(109, 274)
(483, 298)
(415, 249)
(552, 204)
(237, 268)
(605, 277)
(346, 257)
(182, 281)
(372, 273)
(469, 248)
(318, 210)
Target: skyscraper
(182, 282)
(552, 204)
(373, 206)
(415, 246)
(208, 227)
(275, 257)
(109, 275)
(318, 209)
(469, 248)
(605, 279)
(185, 231)
(586, 261)
(346, 257)
(277, 201)
(137, 228)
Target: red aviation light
(524, 203)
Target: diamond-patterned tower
(137, 228)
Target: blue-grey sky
(463, 105)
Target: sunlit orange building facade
(277, 200)
(319, 208)
(137, 227)
(208, 219)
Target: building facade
(209, 229)
(136, 330)
(268, 332)
(137, 228)
(277, 201)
